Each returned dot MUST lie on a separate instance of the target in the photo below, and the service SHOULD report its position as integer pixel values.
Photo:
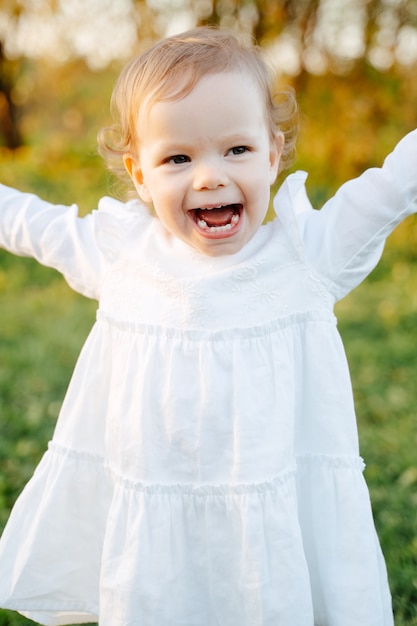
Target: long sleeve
(79, 248)
(344, 240)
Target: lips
(218, 220)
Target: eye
(178, 159)
(239, 150)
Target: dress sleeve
(344, 240)
(79, 248)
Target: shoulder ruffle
(113, 222)
(290, 204)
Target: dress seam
(261, 330)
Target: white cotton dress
(204, 470)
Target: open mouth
(218, 220)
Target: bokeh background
(352, 64)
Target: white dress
(204, 470)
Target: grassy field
(43, 325)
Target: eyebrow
(249, 137)
(238, 138)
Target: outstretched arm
(54, 235)
(344, 240)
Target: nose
(209, 174)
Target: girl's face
(206, 163)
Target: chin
(219, 249)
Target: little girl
(204, 469)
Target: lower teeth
(225, 227)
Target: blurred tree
(9, 127)
(328, 35)
(56, 31)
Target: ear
(275, 151)
(136, 174)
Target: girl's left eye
(239, 150)
(178, 159)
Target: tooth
(234, 220)
(217, 229)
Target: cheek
(166, 204)
(259, 180)
(169, 191)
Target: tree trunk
(9, 128)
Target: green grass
(43, 325)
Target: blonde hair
(170, 70)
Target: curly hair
(170, 69)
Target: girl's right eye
(178, 159)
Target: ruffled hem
(61, 618)
(209, 490)
(349, 583)
(132, 544)
(50, 550)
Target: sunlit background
(353, 67)
(297, 34)
(352, 64)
